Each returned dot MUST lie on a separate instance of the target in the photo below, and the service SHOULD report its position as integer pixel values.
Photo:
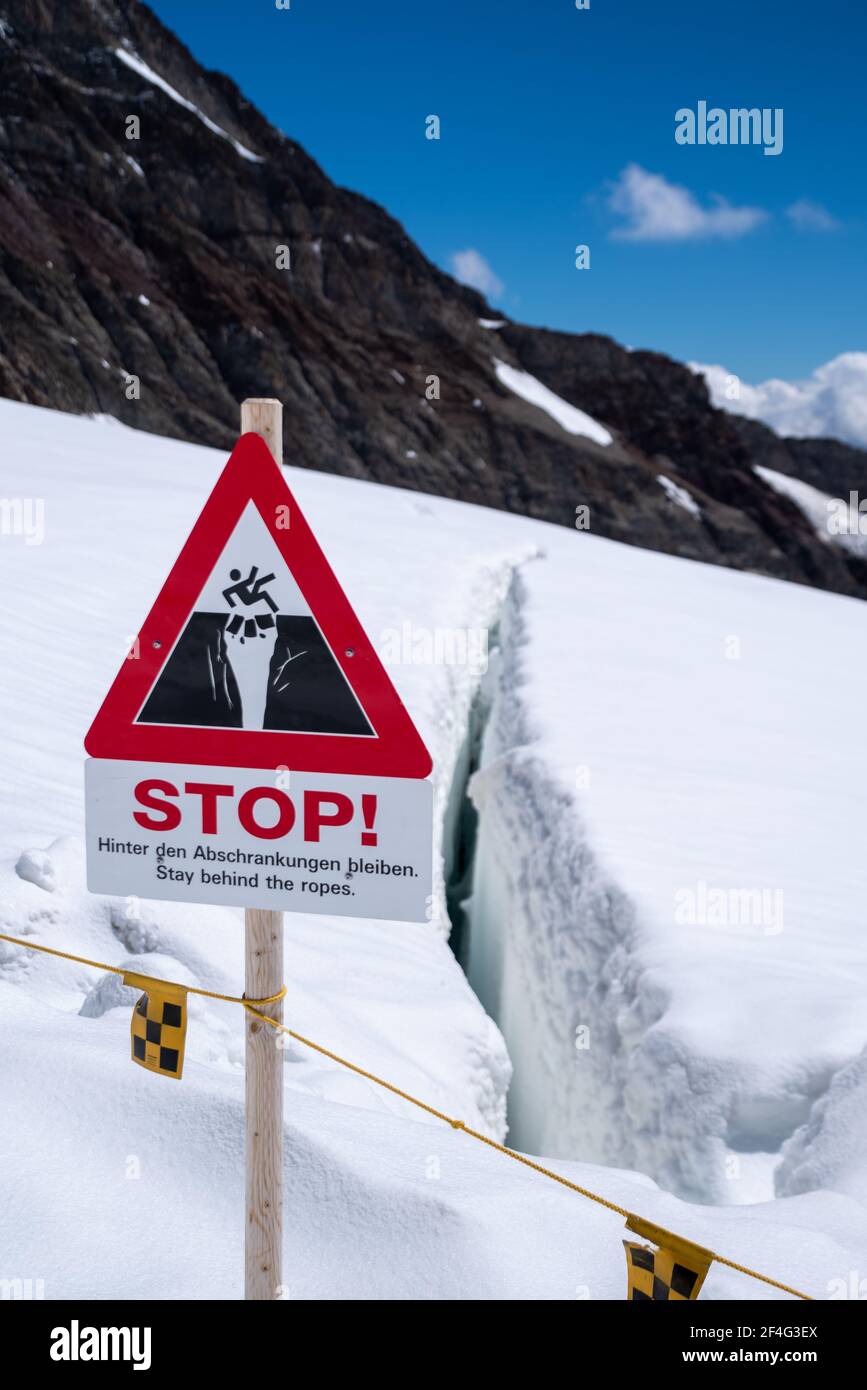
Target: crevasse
(550, 945)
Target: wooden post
(263, 976)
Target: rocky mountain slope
(159, 258)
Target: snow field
(626, 760)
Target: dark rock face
(157, 258)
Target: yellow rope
(501, 1148)
(249, 1005)
(745, 1269)
(115, 970)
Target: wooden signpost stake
(360, 773)
(263, 976)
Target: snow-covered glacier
(648, 839)
(668, 897)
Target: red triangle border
(251, 474)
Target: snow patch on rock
(679, 495)
(835, 520)
(138, 65)
(568, 417)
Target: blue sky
(543, 108)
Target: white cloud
(471, 268)
(811, 217)
(656, 210)
(831, 403)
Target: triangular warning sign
(252, 655)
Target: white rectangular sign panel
(293, 842)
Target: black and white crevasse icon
(253, 666)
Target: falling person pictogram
(250, 591)
(251, 666)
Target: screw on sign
(252, 660)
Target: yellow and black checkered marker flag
(674, 1272)
(159, 1025)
